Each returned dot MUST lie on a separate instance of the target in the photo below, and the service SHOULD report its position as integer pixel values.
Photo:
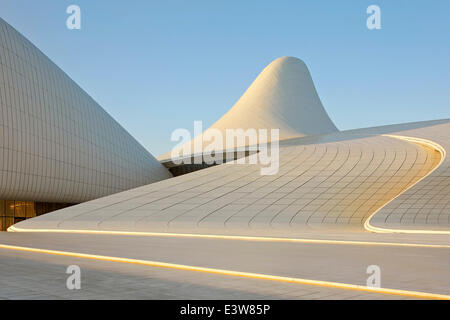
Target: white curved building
(57, 144)
(282, 97)
(60, 146)
(353, 214)
(329, 181)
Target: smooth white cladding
(328, 184)
(56, 143)
(282, 97)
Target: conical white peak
(282, 97)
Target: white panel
(57, 144)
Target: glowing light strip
(329, 284)
(231, 237)
(443, 153)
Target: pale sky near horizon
(159, 65)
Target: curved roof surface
(59, 145)
(56, 143)
(331, 183)
(282, 97)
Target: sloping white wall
(282, 97)
(56, 143)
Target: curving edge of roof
(283, 97)
(56, 143)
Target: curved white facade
(282, 97)
(56, 143)
(326, 184)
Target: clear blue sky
(160, 65)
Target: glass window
(20, 209)
(9, 208)
(12, 212)
(9, 221)
(17, 220)
(30, 212)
